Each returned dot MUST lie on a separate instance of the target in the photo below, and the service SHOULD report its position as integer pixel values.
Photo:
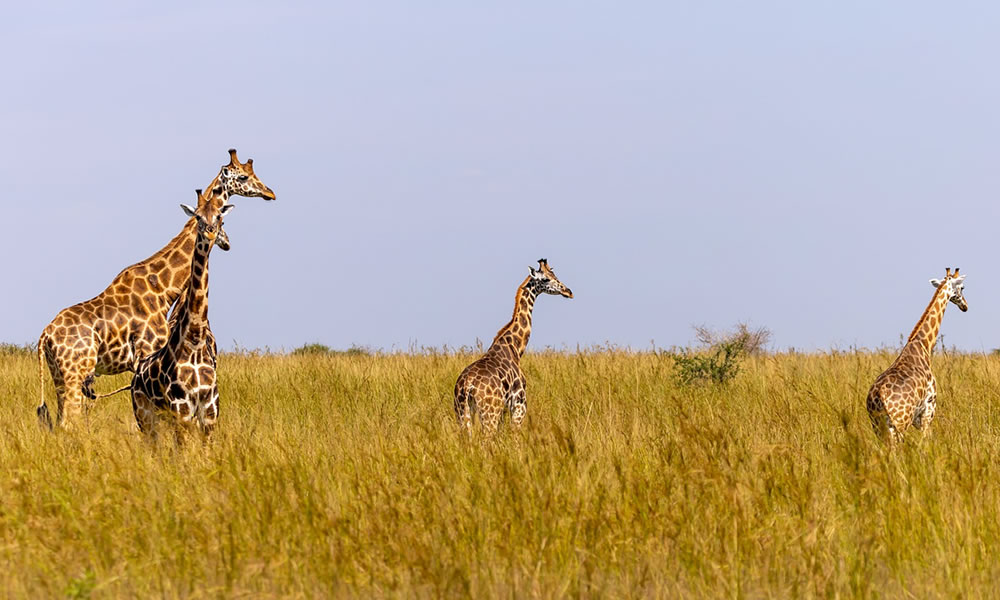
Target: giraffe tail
(42, 410)
(118, 391)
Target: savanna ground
(345, 475)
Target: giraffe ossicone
(495, 381)
(905, 394)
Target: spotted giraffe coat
(905, 394)
(180, 378)
(495, 383)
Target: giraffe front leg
(518, 406)
(145, 413)
(209, 414)
(517, 401)
(925, 414)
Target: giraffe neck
(925, 333)
(218, 189)
(169, 269)
(192, 324)
(514, 335)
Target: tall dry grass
(346, 476)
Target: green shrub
(719, 361)
(322, 349)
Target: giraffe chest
(183, 384)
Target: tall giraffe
(179, 377)
(495, 381)
(906, 393)
(105, 335)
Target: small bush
(308, 349)
(324, 350)
(720, 361)
(756, 339)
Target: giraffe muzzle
(222, 240)
(567, 293)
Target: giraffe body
(179, 377)
(905, 394)
(106, 334)
(495, 382)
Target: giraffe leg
(883, 427)
(491, 422)
(46, 357)
(75, 382)
(894, 435)
(208, 414)
(491, 411)
(465, 407)
(517, 403)
(881, 418)
(889, 432)
(145, 413)
(179, 428)
(71, 405)
(925, 412)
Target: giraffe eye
(243, 177)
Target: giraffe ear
(534, 271)
(188, 210)
(936, 282)
(225, 209)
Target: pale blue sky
(806, 166)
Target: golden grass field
(341, 475)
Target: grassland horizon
(345, 474)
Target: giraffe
(495, 381)
(105, 335)
(906, 393)
(179, 377)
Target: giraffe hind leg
(47, 362)
(465, 407)
(924, 414)
(517, 404)
(491, 411)
(881, 420)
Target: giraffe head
(545, 281)
(208, 217)
(954, 286)
(240, 180)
